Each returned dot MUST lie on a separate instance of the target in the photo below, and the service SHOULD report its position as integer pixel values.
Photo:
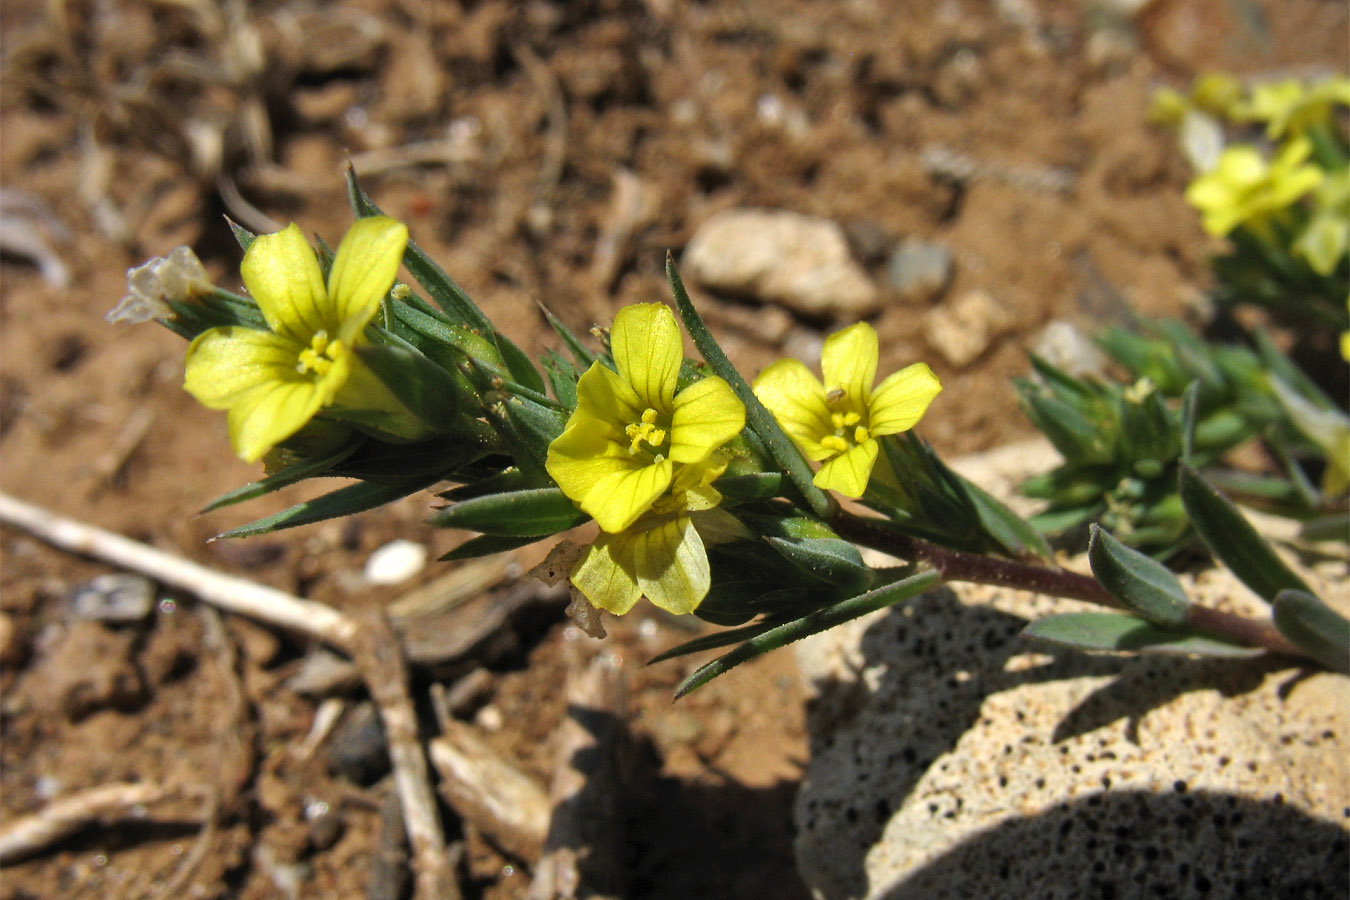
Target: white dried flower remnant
(178, 276)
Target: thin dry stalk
(380, 657)
(235, 595)
(62, 818)
(489, 792)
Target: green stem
(956, 565)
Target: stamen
(645, 432)
(318, 357)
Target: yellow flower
(662, 554)
(839, 421)
(1291, 107)
(1244, 189)
(637, 456)
(1326, 238)
(273, 382)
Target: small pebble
(395, 562)
(919, 270)
(119, 599)
(356, 750)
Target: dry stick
(380, 656)
(236, 595)
(489, 792)
(581, 847)
(62, 818)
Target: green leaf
(241, 234)
(535, 426)
(533, 513)
(578, 350)
(345, 501)
(1190, 401)
(562, 377)
(487, 545)
(753, 486)
(834, 561)
(1006, 527)
(520, 365)
(1141, 583)
(1315, 627)
(760, 420)
(1120, 632)
(712, 641)
(292, 474)
(1233, 540)
(813, 623)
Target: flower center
(846, 422)
(645, 432)
(319, 356)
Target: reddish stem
(956, 565)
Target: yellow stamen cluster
(319, 356)
(646, 432)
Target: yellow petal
(671, 565)
(648, 351)
(269, 414)
(283, 275)
(584, 454)
(224, 364)
(620, 496)
(364, 269)
(902, 399)
(849, 362)
(797, 400)
(848, 472)
(605, 396)
(707, 415)
(604, 581)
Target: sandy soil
(1011, 132)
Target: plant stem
(957, 565)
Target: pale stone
(962, 330)
(395, 562)
(951, 758)
(801, 262)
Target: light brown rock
(774, 256)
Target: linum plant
(685, 484)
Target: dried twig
(62, 818)
(380, 658)
(490, 793)
(581, 846)
(235, 595)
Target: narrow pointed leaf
(755, 486)
(759, 419)
(1141, 583)
(533, 513)
(487, 545)
(1190, 402)
(424, 388)
(310, 468)
(241, 234)
(712, 641)
(1120, 632)
(583, 357)
(345, 501)
(1315, 627)
(1233, 540)
(815, 622)
(520, 365)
